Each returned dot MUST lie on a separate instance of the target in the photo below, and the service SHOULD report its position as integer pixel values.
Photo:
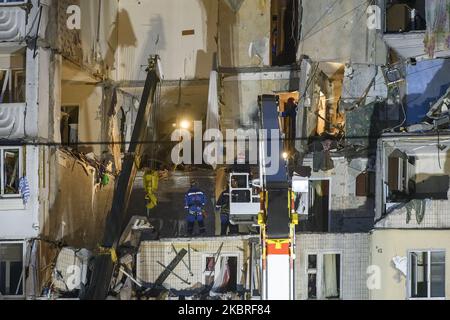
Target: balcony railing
(12, 120)
(12, 22)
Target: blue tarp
(427, 81)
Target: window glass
(419, 278)
(312, 261)
(11, 269)
(11, 171)
(437, 274)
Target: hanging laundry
(24, 189)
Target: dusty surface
(169, 216)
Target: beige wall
(89, 100)
(387, 244)
(239, 95)
(239, 29)
(78, 204)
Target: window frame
(4, 3)
(319, 272)
(2, 173)
(24, 252)
(11, 79)
(217, 265)
(409, 274)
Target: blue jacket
(194, 200)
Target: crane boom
(116, 219)
(278, 218)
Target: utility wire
(16, 143)
(334, 21)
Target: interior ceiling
(331, 68)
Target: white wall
(20, 221)
(155, 27)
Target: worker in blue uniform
(194, 203)
(290, 113)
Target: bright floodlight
(185, 124)
(285, 155)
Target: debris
(163, 276)
(401, 264)
(182, 260)
(71, 271)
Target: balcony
(412, 29)
(12, 22)
(12, 120)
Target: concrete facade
(388, 244)
(355, 259)
(150, 253)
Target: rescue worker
(194, 203)
(223, 208)
(290, 114)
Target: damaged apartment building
(56, 104)
(374, 126)
(370, 79)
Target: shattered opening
(226, 276)
(405, 16)
(284, 31)
(12, 78)
(69, 125)
(10, 171)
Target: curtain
(222, 278)
(437, 37)
(330, 285)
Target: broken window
(365, 184)
(10, 163)
(324, 276)
(284, 32)
(12, 86)
(226, 275)
(223, 275)
(11, 269)
(12, 78)
(209, 271)
(319, 205)
(426, 274)
(69, 125)
(399, 175)
(405, 15)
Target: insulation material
(438, 26)
(212, 118)
(71, 269)
(223, 277)
(401, 264)
(235, 5)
